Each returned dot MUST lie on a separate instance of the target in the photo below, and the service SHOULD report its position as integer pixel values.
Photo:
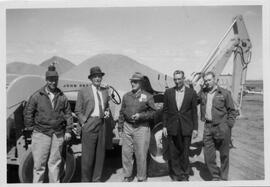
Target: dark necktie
(99, 106)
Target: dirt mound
(118, 70)
(62, 65)
(23, 68)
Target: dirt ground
(246, 158)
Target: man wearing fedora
(92, 108)
(48, 114)
(137, 109)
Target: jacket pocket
(219, 101)
(221, 131)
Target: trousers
(46, 148)
(179, 155)
(217, 137)
(135, 140)
(93, 150)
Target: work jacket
(223, 110)
(40, 114)
(141, 103)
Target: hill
(62, 65)
(23, 68)
(118, 70)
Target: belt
(138, 124)
(96, 117)
(131, 122)
(210, 122)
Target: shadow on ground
(111, 164)
(200, 166)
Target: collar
(219, 89)
(180, 90)
(216, 88)
(139, 92)
(95, 88)
(48, 91)
(44, 90)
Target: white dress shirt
(209, 103)
(96, 109)
(179, 96)
(51, 96)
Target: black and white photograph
(116, 92)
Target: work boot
(142, 180)
(127, 179)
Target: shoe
(127, 179)
(184, 179)
(191, 172)
(174, 178)
(142, 180)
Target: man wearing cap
(136, 111)
(92, 107)
(180, 123)
(48, 114)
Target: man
(218, 113)
(92, 108)
(180, 121)
(48, 114)
(136, 111)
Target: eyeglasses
(134, 81)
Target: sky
(163, 38)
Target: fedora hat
(95, 71)
(137, 76)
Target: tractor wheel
(26, 167)
(158, 164)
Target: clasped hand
(135, 116)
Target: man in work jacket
(137, 109)
(218, 113)
(48, 114)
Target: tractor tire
(26, 167)
(158, 151)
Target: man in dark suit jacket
(180, 123)
(91, 108)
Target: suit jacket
(184, 120)
(86, 103)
